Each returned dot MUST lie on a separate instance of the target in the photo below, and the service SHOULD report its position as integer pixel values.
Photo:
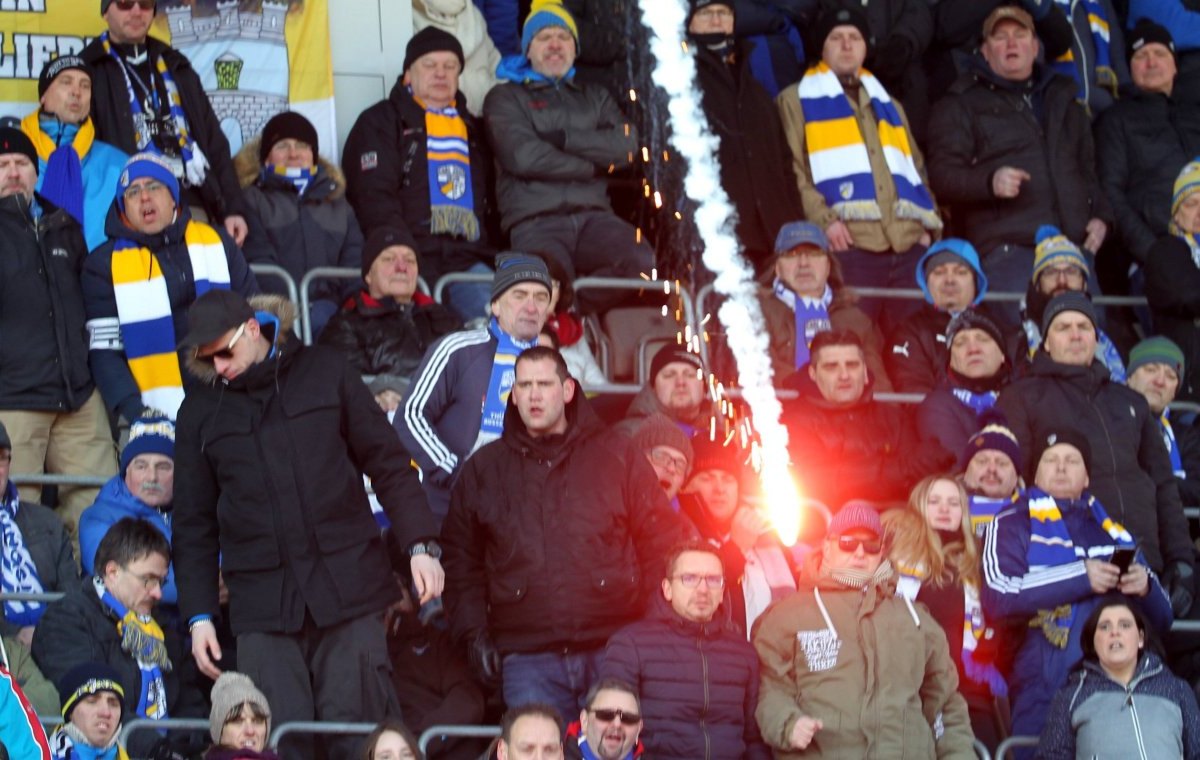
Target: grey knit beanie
(231, 690)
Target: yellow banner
(254, 57)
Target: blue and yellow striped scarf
(837, 155)
(448, 154)
(144, 310)
(1098, 21)
(1050, 545)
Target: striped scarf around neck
(62, 177)
(143, 640)
(144, 310)
(18, 573)
(1097, 17)
(448, 156)
(811, 317)
(838, 157)
(504, 373)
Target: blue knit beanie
(545, 13)
(1053, 247)
(153, 433)
(146, 165)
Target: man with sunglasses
(269, 458)
(112, 618)
(848, 668)
(147, 97)
(609, 724)
(698, 676)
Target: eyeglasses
(692, 580)
(850, 544)
(225, 353)
(127, 5)
(626, 718)
(663, 459)
(150, 188)
(148, 580)
(1069, 272)
(718, 13)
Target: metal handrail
(434, 732)
(1014, 742)
(453, 278)
(46, 596)
(48, 478)
(332, 273)
(274, 270)
(982, 750)
(319, 727)
(146, 724)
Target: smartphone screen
(1123, 558)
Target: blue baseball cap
(795, 234)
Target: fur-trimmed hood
(274, 306)
(249, 169)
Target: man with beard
(676, 388)
(1059, 266)
(988, 464)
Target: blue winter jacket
(102, 168)
(113, 503)
(1155, 715)
(1014, 592)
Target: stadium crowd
(426, 515)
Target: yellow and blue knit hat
(87, 679)
(1186, 183)
(545, 13)
(1053, 247)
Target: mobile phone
(1122, 557)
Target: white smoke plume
(675, 72)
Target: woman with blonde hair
(936, 556)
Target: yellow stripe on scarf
(835, 133)
(449, 155)
(156, 371)
(447, 126)
(1044, 513)
(134, 265)
(895, 137)
(45, 146)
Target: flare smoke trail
(675, 72)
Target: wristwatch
(432, 548)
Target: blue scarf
(516, 68)
(300, 177)
(587, 753)
(18, 574)
(62, 180)
(812, 317)
(983, 510)
(1098, 22)
(976, 402)
(1050, 545)
(448, 157)
(141, 639)
(503, 374)
(1172, 446)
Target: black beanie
(432, 40)
(1071, 300)
(86, 679)
(1145, 32)
(970, 319)
(13, 140)
(382, 238)
(513, 268)
(696, 5)
(842, 14)
(1053, 438)
(673, 352)
(60, 64)
(285, 126)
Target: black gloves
(1178, 582)
(485, 658)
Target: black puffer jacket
(1173, 291)
(268, 477)
(698, 684)
(554, 543)
(554, 144)
(985, 123)
(868, 450)
(756, 162)
(300, 232)
(1141, 144)
(43, 342)
(385, 337)
(1130, 472)
(387, 180)
(916, 355)
(220, 193)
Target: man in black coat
(110, 618)
(132, 109)
(386, 164)
(48, 401)
(1145, 139)
(1010, 149)
(1131, 476)
(697, 673)
(756, 163)
(555, 538)
(269, 458)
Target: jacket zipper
(1083, 69)
(704, 711)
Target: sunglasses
(608, 716)
(127, 5)
(850, 544)
(225, 353)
